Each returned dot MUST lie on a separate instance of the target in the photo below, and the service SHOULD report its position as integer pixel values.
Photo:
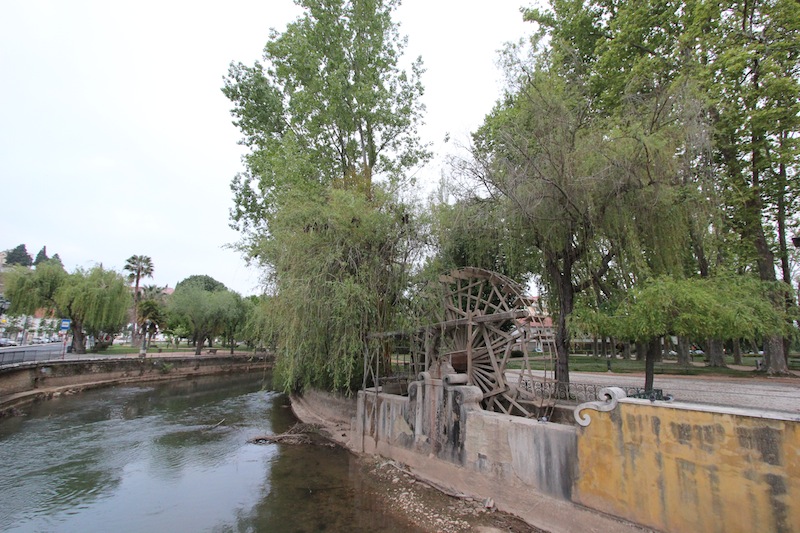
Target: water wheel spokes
(482, 314)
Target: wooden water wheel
(489, 330)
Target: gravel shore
(422, 504)
(429, 508)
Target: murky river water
(174, 458)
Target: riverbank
(422, 500)
(498, 509)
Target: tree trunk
(737, 352)
(562, 278)
(754, 347)
(641, 350)
(626, 350)
(683, 352)
(78, 338)
(774, 356)
(562, 349)
(652, 349)
(715, 353)
(752, 213)
(199, 344)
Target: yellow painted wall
(677, 468)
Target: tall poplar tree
(331, 122)
(750, 53)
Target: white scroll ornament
(611, 396)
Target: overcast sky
(116, 140)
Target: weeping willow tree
(96, 300)
(31, 290)
(583, 189)
(330, 119)
(343, 264)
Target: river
(175, 457)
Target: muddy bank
(422, 502)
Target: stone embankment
(23, 383)
(425, 502)
(458, 505)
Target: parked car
(7, 342)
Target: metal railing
(16, 355)
(583, 392)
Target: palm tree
(154, 292)
(138, 267)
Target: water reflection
(175, 457)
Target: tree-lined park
(102, 303)
(639, 171)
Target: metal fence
(584, 392)
(44, 352)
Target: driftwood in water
(297, 434)
(218, 424)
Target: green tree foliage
(479, 232)
(257, 331)
(30, 291)
(726, 308)
(19, 256)
(331, 120)
(138, 267)
(237, 311)
(41, 256)
(202, 311)
(345, 265)
(750, 66)
(152, 310)
(689, 109)
(207, 283)
(96, 300)
(579, 187)
(330, 105)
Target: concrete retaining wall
(673, 467)
(28, 382)
(685, 468)
(448, 423)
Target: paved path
(763, 393)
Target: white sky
(116, 140)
